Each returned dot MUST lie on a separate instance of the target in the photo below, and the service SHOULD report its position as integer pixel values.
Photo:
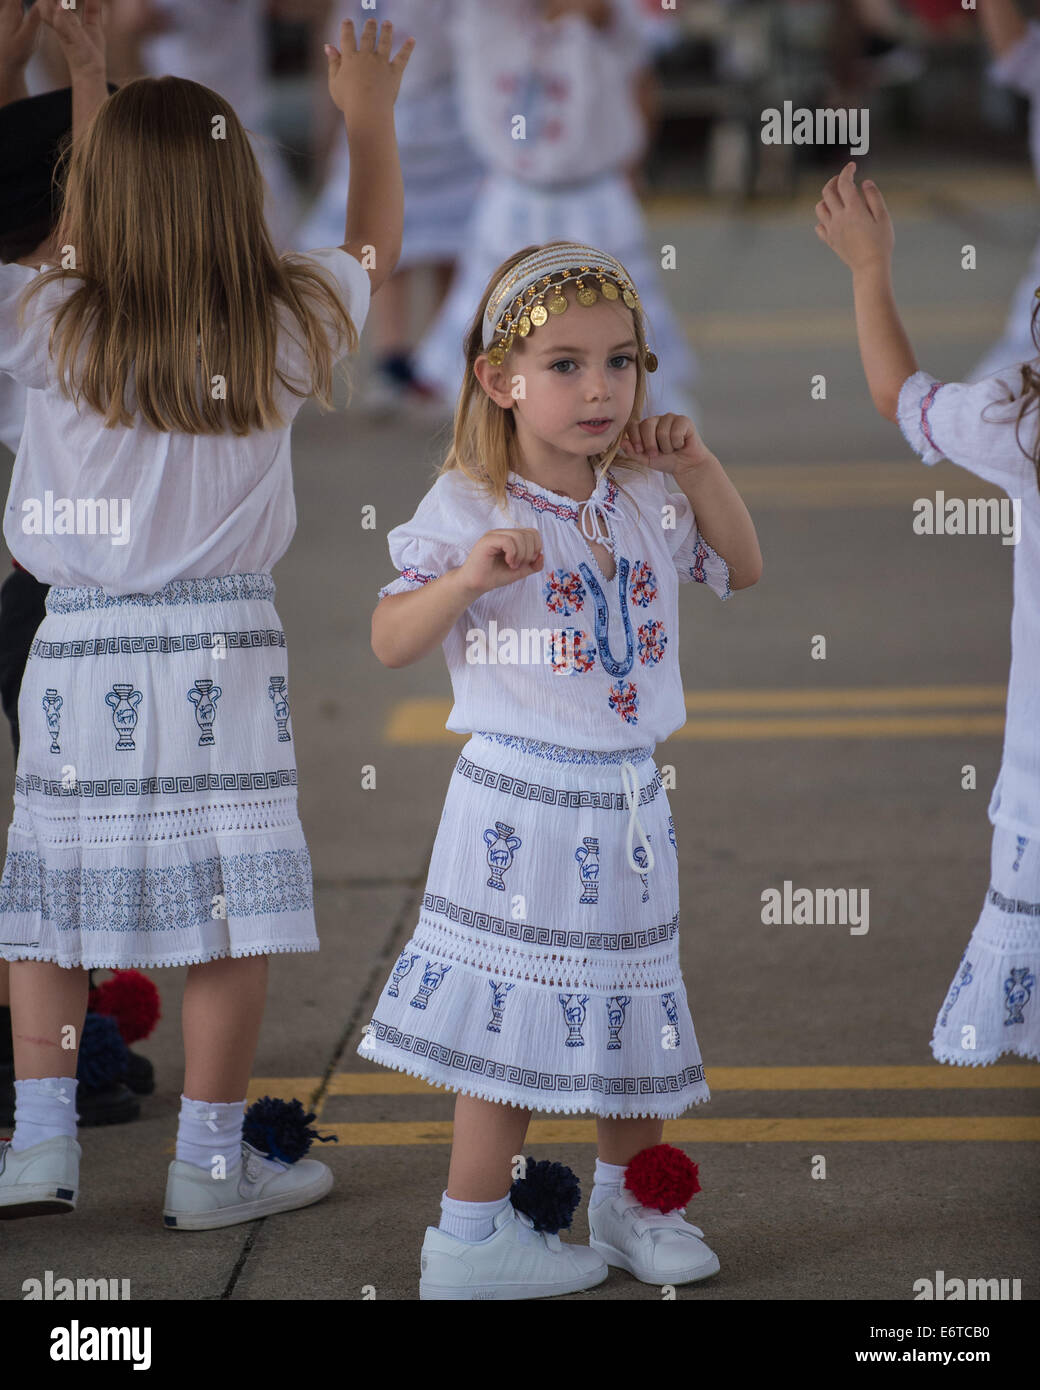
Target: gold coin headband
(526, 295)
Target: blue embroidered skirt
(155, 818)
(993, 1004)
(544, 969)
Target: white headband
(515, 305)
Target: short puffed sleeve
(693, 558)
(447, 524)
(972, 425)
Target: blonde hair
(484, 445)
(177, 276)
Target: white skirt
(544, 969)
(993, 1005)
(605, 214)
(155, 818)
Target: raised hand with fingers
(855, 223)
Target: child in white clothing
(155, 817)
(544, 971)
(989, 428)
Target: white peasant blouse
(566, 655)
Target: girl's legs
(48, 1006)
(487, 1137)
(621, 1140)
(46, 999)
(220, 1019)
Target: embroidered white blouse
(566, 655)
(944, 420)
(200, 505)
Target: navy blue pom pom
(281, 1129)
(103, 1055)
(548, 1193)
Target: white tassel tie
(630, 779)
(591, 510)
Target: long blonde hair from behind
(177, 279)
(484, 444)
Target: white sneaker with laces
(657, 1247)
(41, 1180)
(515, 1261)
(195, 1201)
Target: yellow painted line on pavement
(893, 1078)
(848, 697)
(855, 1130)
(840, 484)
(937, 1077)
(421, 720)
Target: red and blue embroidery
(417, 575)
(642, 589)
(565, 511)
(564, 592)
(572, 651)
(926, 405)
(624, 700)
(652, 642)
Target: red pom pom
(662, 1177)
(132, 1000)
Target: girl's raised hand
(669, 443)
(502, 557)
(79, 32)
(363, 79)
(855, 224)
(18, 30)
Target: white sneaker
(39, 1181)
(195, 1201)
(657, 1247)
(515, 1261)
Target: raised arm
(407, 626)
(83, 44)
(363, 83)
(857, 228)
(671, 444)
(18, 31)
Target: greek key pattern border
(184, 784)
(567, 797)
(162, 644)
(528, 933)
(529, 1078)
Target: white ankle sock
(606, 1182)
(207, 1130)
(45, 1108)
(470, 1221)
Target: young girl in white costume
(989, 428)
(568, 70)
(442, 176)
(155, 818)
(544, 971)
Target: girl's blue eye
(563, 362)
(622, 360)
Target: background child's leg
(487, 1137)
(220, 1020)
(621, 1140)
(46, 998)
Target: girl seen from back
(155, 818)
